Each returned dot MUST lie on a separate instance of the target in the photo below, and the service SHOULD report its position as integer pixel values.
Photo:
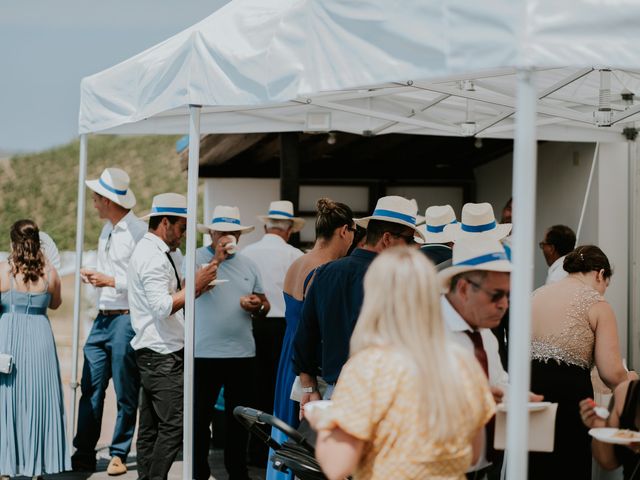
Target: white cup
(231, 247)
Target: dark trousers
(268, 333)
(237, 376)
(108, 354)
(160, 427)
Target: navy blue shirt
(329, 315)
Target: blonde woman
(409, 404)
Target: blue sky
(46, 47)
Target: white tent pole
(586, 194)
(73, 383)
(524, 199)
(190, 300)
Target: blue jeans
(108, 354)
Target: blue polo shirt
(329, 314)
(222, 328)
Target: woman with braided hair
(32, 423)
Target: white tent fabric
(260, 65)
(445, 67)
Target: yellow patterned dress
(377, 400)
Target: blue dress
(283, 407)
(32, 421)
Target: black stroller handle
(249, 417)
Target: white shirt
(115, 246)
(273, 256)
(152, 282)
(556, 271)
(456, 326)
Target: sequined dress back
(562, 350)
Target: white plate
(532, 406)
(218, 281)
(607, 435)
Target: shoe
(5, 477)
(116, 467)
(83, 464)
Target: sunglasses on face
(494, 295)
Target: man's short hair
(157, 220)
(562, 238)
(279, 224)
(477, 276)
(377, 228)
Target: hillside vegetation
(43, 186)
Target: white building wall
(251, 195)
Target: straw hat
(478, 219)
(225, 219)
(479, 253)
(172, 204)
(114, 185)
(393, 209)
(419, 218)
(283, 210)
(437, 217)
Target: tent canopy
(439, 68)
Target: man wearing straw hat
(333, 302)
(157, 300)
(437, 243)
(273, 256)
(478, 221)
(107, 352)
(477, 296)
(225, 349)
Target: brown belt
(110, 313)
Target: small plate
(218, 281)
(532, 406)
(611, 435)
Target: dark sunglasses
(494, 295)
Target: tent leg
(524, 199)
(192, 209)
(633, 349)
(82, 175)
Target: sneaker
(83, 463)
(116, 467)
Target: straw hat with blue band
(437, 217)
(225, 219)
(169, 204)
(475, 253)
(419, 218)
(393, 209)
(114, 185)
(478, 219)
(283, 210)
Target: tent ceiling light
(318, 122)
(467, 86)
(468, 129)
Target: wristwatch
(309, 389)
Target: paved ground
(215, 461)
(62, 324)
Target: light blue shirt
(222, 328)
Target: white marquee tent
(569, 69)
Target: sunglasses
(494, 295)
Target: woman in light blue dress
(32, 421)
